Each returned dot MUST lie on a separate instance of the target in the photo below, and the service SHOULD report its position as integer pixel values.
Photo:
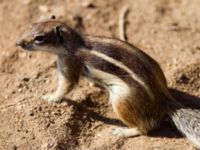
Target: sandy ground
(168, 30)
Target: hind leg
(126, 111)
(118, 97)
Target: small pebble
(26, 79)
(40, 108)
(31, 113)
(53, 17)
(20, 90)
(48, 124)
(13, 92)
(55, 113)
(62, 111)
(64, 104)
(184, 79)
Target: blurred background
(167, 30)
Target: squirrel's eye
(39, 39)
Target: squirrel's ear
(59, 34)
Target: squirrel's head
(51, 36)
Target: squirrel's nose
(21, 43)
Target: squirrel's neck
(74, 41)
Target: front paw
(52, 98)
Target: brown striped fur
(136, 84)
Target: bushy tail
(186, 120)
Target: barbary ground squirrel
(136, 84)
